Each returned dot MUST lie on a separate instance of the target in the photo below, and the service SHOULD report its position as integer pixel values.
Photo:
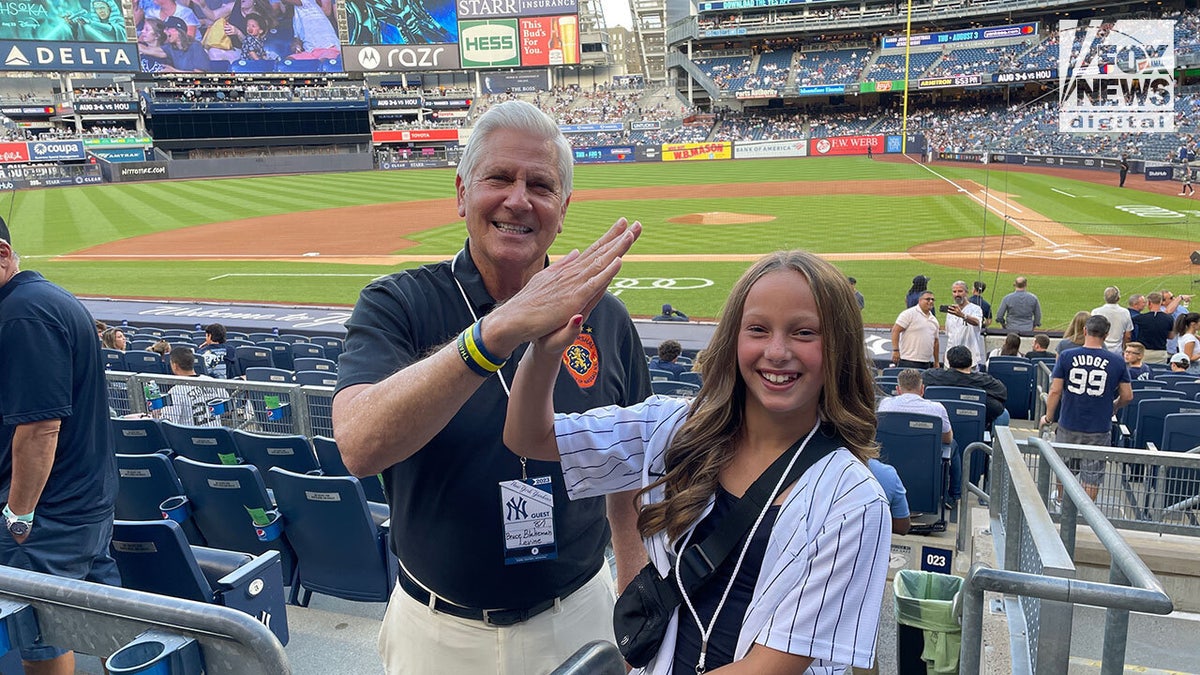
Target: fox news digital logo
(1116, 77)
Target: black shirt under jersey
(445, 499)
(723, 641)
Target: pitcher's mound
(719, 218)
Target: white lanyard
(706, 631)
(474, 318)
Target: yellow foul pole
(907, 51)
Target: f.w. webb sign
(1117, 76)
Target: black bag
(642, 613)
(644, 609)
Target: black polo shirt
(50, 368)
(445, 499)
(1153, 328)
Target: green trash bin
(928, 634)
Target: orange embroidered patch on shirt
(582, 359)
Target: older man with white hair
(1120, 323)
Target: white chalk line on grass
(984, 202)
(285, 274)
(1063, 193)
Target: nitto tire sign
(489, 44)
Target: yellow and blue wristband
(474, 354)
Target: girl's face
(779, 350)
(252, 27)
(119, 340)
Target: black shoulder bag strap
(698, 561)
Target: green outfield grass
(53, 222)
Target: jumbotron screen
(62, 20)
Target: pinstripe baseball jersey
(822, 578)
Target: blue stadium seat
(1148, 384)
(114, 359)
(969, 422)
(140, 436)
(332, 465)
(659, 375)
(292, 452)
(253, 357)
(262, 374)
(144, 482)
(318, 378)
(223, 499)
(1020, 378)
(668, 388)
(316, 364)
(154, 557)
(281, 352)
(1188, 389)
(341, 548)
(150, 363)
(307, 350)
(333, 346)
(691, 377)
(912, 443)
(944, 393)
(292, 338)
(259, 338)
(212, 445)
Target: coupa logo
(489, 43)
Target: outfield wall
(253, 166)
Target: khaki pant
(1155, 356)
(415, 640)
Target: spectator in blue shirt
(897, 496)
(668, 351)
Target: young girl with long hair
(786, 363)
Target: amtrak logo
(16, 58)
(368, 57)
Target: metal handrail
(97, 619)
(1132, 586)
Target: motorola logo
(368, 57)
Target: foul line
(1018, 224)
(1063, 193)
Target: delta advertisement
(683, 152)
(605, 154)
(765, 149)
(846, 145)
(68, 56)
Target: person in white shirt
(915, 335)
(189, 402)
(1121, 322)
(964, 321)
(785, 363)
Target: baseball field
(317, 239)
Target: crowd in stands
(101, 94)
(830, 67)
